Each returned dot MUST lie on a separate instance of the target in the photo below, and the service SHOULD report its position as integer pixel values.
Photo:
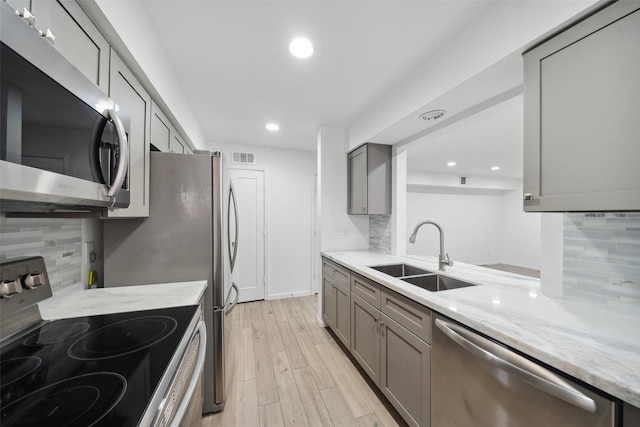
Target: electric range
(106, 370)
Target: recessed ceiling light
(450, 164)
(272, 127)
(495, 168)
(432, 115)
(301, 47)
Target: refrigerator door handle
(228, 307)
(510, 362)
(233, 246)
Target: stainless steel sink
(436, 282)
(424, 279)
(400, 270)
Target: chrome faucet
(442, 260)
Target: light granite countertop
(591, 343)
(90, 302)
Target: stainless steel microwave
(63, 142)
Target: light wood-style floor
(291, 372)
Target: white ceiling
(231, 59)
(493, 137)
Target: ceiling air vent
(244, 158)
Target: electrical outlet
(340, 234)
(89, 247)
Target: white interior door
(249, 270)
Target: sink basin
(424, 279)
(400, 270)
(428, 282)
(436, 282)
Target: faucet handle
(448, 261)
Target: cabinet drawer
(336, 273)
(413, 316)
(366, 289)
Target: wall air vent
(244, 158)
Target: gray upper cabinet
(160, 129)
(177, 144)
(76, 37)
(128, 93)
(582, 110)
(164, 136)
(369, 180)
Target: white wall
(289, 182)
(471, 223)
(480, 227)
(338, 229)
(521, 241)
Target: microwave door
(108, 159)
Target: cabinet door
(343, 314)
(160, 129)
(19, 5)
(405, 377)
(177, 144)
(415, 317)
(129, 94)
(357, 181)
(582, 103)
(77, 38)
(365, 336)
(328, 303)
(366, 289)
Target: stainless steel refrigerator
(191, 234)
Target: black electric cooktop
(89, 371)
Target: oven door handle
(191, 388)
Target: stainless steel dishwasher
(476, 382)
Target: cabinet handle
(27, 16)
(49, 36)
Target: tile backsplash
(380, 233)
(602, 259)
(58, 241)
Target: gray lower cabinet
(390, 336)
(336, 301)
(405, 374)
(328, 303)
(365, 336)
(343, 315)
